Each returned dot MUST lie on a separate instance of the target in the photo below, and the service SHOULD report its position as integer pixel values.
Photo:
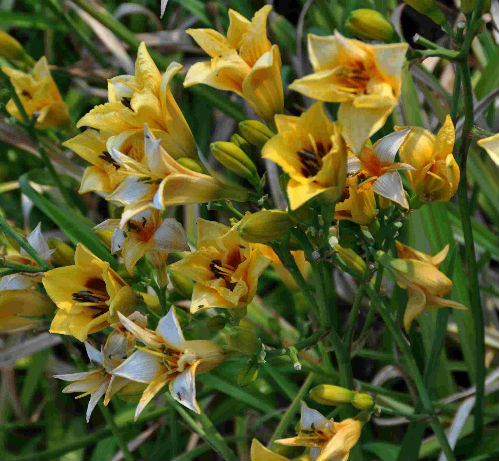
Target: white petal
(170, 236)
(94, 399)
(152, 150)
(17, 282)
(163, 7)
(183, 389)
(117, 240)
(169, 329)
(353, 164)
(140, 367)
(390, 186)
(93, 354)
(128, 163)
(74, 376)
(38, 242)
(108, 224)
(129, 191)
(386, 148)
(311, 419)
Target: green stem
(413, 371)
(118, 436)
(291, 411)
(300, 345)
(23, 243)
(20, 267)
(354, 312)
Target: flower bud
(239, 141)
(191, 164)
(351, 259)
(362, 401)
(264, 226)
(255, 132)
(64, 255)
(370, 25)
(235, 159)
(328, 394)
(181, 284)
(428, 8)
(11, 49)
(21, 309)
(247, 375)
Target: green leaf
(197, 8)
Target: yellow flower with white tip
(159, 181)
(224, 267)
(328, 440)
(357, 204)
(365, 79)
(88, 295)
(100, 382)
(311, 150)
(147, 233)
(244, 62)
(375, 167)
(39, 96)
(168, 358)
(418, 273)
(491, 146)
(435, 177)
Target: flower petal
(311, 419)
(262, 453)
(170, 331)
(386, 148)
(390, 186)
(170, 236)
(140, 366)
(94, 399)
(93, 354)
(183, 389)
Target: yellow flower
(491, 146)
(262, 453)
(87, 295)
(436, 174)
(100, 382)
(328, 440)
(375, 166)
(144, 234)
(365, 79)
(244, 62)
(418, 273)
(310, 149)
(225, 268)
(159, 181)
(39, 96)
(168, 358)
(357, 203)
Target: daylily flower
(168, 358)
(357, 203)
(491, 146)
(310, 149)
(261, 453)
(365, 79)
(39, 96)
(327, 439)
(88, 295)
(376, 166)
(144, 234)
(25, 280)
(244, 62)
(224, 267)
(100, 381)
(418, 273)
(435, 176)
(161, 181)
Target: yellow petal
(321, 85)
(300, 193)
(261, 453)
(89, 145)
(238, 27)
(212, 42)
(417, 148)
(491, 146)
(444, 142)
(389, 62)
(146, 72)
(255, 42)
(346, 437)
(323, 52)
(95, 179)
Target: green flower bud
(181, 284)
(264, 226)
(255, 132)
(247, 375)
(239, 141)
(191, 164)
(370, 25)
(362, 401)
(351, 259)
(328, 394)
(235, 159)
(428, 8)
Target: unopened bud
(247, 375)
(428, 8)
(362, 401)
(370, 25)
(239, 141)
(235, 159)
(63, 254)
(255, 132)
(328, 394)
(264, 226)
(191, 164)
(11, 49)
(181, 284)
(351, 259)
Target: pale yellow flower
(244, 62)
(224, 267)
(39, 96)
(88, 295)
(435, 177)
(311, 150)
(365, 79)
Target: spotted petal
(183, 389)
